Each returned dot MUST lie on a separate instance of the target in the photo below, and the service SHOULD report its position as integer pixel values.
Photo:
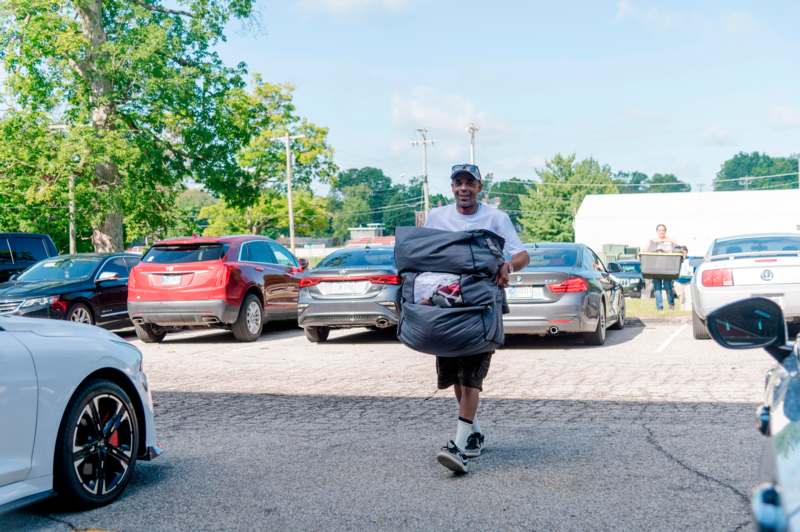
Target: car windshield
(633, 267)
(61, 269)
(171, 254)
(552, 257)
(359, 258)
(756, 244)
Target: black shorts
(466, 371)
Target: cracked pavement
(642, 433)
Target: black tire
(317, 334)
(699, 328)
(598, 337)
(248, 329)
(149, 333)
(620, 323)
(80, 313)
(108, 442)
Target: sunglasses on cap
(470, 169)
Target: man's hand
(502, 274)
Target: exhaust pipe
(552, 330)
(138, 321)
(382, 323)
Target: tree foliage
(268, 216)
(548, 211)
(147, 103)
(509, 193)
(639, 182)
(736, 172)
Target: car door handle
(259, 269)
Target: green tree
(352, 210)
(509, 193)
(666, 183)
(148, 103)
(379, 184)
(631, 182)
(736, 171)
(548, 211)
(187, 212)
(268, 216)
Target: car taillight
(309, 281)
(132, 280)
(719, 277)
(385, 279)
(571, 285)
(223, 275)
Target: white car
(75, 413)
(739, 267)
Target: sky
(670, 87)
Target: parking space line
(672, 336)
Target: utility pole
(472, 129)
(287, 140)
(424, 143)
(70, 195)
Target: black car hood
(22, 289)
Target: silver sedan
(565, 289)
(81, 410)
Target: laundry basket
(661, 265)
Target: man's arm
(518, 261)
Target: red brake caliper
(114, 439)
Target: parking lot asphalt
(653, 431)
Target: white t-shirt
(448, 218)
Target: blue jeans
(658, 286)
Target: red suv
(232, 282)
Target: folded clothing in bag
(440, 289)
(450, 302)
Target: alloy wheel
(80, 315)
(253, 317)
(102, 444)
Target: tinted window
(282, 255)
(756, 244)
(27, 249)
(597, 262)
(131, 262)
(552, 257)
(117, 266)
(630, 267)
(5, 252)
(170, 254)
(66, 269)
(258, 251)
(355, 258)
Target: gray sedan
(565, 289)
(352, 287)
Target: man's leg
(657, 285)
(468, 403)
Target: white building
(693, 219)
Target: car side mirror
(14, 277)
(613, 267)
(749, 323)
(108, 276)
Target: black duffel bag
(473, 326)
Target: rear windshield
(171, 254)
(552, 257)
(630, 267)
(756, 244)
(355, 258)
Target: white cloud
(658, 17)
(347, 7)
(739, 22)
(785, 117)
(718, 136)
(442, 113)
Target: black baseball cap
(469, 169)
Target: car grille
(7, 307)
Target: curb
(634, 321)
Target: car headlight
(38, 302)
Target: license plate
(524, 292)
(343, 288)
(170, 280)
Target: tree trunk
(108, 236)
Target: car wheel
(620, 323)
(80, 313)
(598, 337)
(97, 445)
(699, 328)
(317, 334)
(248, 325)
(149, 333)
